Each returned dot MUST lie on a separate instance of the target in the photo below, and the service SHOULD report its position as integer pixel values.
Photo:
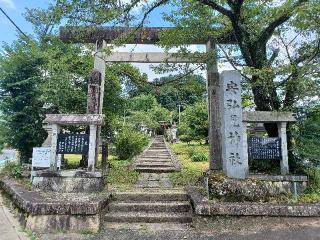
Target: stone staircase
(153, 201)
(149, 207)
(156, 159)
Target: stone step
(155, 169)
(149, 154)
(172, 206)
(151, 227)
(140, 196)
(147, 217)
(157, 149)
(154, 159)
(153, 164)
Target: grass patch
(313, 197)
(120, 175)
(192, 171)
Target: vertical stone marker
(234, 160)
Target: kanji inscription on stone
(73, 144)
(234, 161)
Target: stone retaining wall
(54, 212)
(255, 187)
(202, 206)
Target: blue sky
(16, 9)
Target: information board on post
(73, 144)
(41, 157)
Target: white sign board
(41, 157)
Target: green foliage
(176, 90)
(20, 74)
(314, 179)
(197, 154)
(194, 122)
(307, 137)
(120, 173)
(11, 169)
(185, 138)
(143, 103)
(3, 133)
(191, 172)
(129, 143)
(312, 193)
(144, 110)
(67, 68)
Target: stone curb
(33, 203)
(202, 206)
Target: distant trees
(194, 122)
(21, 105)
(177, 89)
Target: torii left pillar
(95, 98)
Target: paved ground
(247, 228)
(9, 226)
(154, 180)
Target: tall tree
(20, 77)
(253, 25)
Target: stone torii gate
(103, 36)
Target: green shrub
(12, 169)
(197, 155)
(129, 143)
(185, 138)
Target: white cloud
(8, 4)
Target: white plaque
(41, 157)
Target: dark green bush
(129, 143)
(197, 155)
(12, 169)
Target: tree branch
(233, 64)
(267, 33)
(217, 7)
(154, 6)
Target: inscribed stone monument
(235, 162)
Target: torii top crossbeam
(147, 35)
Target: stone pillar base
(68, 181)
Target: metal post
(179, 113)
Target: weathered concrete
(150, 57)
(68, 181)
(9, 226)
(151, 206)
(53, 212)
(282, 134)
(154, 180)
(157, 158)
(208, 228)
(214, 111)
(265, 117)
(148, 35)
(204, 207)
(74, 119)
(253, 189)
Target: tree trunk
(263, 101)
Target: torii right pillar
(214, 135)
